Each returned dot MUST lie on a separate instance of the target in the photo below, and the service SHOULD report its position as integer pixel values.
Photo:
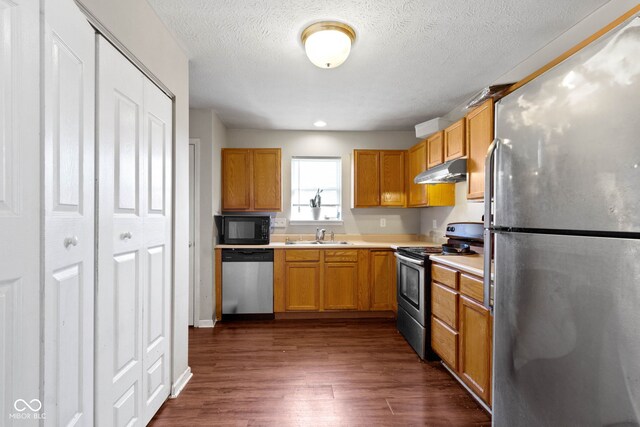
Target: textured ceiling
(412, 60)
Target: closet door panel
(69, 221)
(121, 251)
(158, 135)
(20, 178)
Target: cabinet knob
(126, 236)
(70, 241)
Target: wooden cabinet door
(479, 125)
(340, 286)
(383, 280)
(392, 178)
(236, 179)
(435, 149)
(475, 347)
(454, 141)
(302, 286)
(266, 180)
(417, 163)
(366, 178)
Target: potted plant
(315, 205)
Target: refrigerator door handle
(489, 189)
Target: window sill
(315, 222)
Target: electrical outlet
(383, 222)
(280, 222)
(435, 224)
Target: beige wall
(135, 24)
(205, 126)
(319, 143)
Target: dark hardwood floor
(314, 373)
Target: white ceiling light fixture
(328, 43)
(320, 124)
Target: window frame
(339, 188)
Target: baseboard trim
(335, 315)
(181, 383)
(205, 324)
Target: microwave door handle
(489, 193)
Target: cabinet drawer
(472, 287)
(302, 255)
(332, 255)
(444, 275)
(444, 341)
(444, 304)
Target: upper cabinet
(378, 178)
(454, 141)
(435, 149)
(423, 195)
(392, 182)
(479, 124)
(251, 179)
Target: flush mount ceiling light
(320, 124)
(328, 43)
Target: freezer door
(569, 152)
(566, 334)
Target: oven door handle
(407, 259)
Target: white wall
(464, 210)
(135, 24)
(205, 125)
(319, 143)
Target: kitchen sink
(314, 242)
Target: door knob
(126, 236)
(71, 241)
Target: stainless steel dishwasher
(247, 284)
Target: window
(310, 175)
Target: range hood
(451, 171)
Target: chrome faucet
(320, 234)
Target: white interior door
(69, 105)
(134, 241)
(156, 246)
(19, 211)
(192, 228)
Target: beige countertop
(472, 264)
(356, 241)
(353, 244)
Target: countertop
(472, 264)
(353, 244)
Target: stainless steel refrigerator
(564, 175)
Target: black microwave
(243, 229)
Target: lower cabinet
(302, 286)
(383, 280)
(474, 364)
(340, 286)
(313, 280)
(461, 328)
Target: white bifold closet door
(19, 212)
(134, 243)
(69, 221)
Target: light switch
(435, 224)
(383, 222)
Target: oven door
(411, 287)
